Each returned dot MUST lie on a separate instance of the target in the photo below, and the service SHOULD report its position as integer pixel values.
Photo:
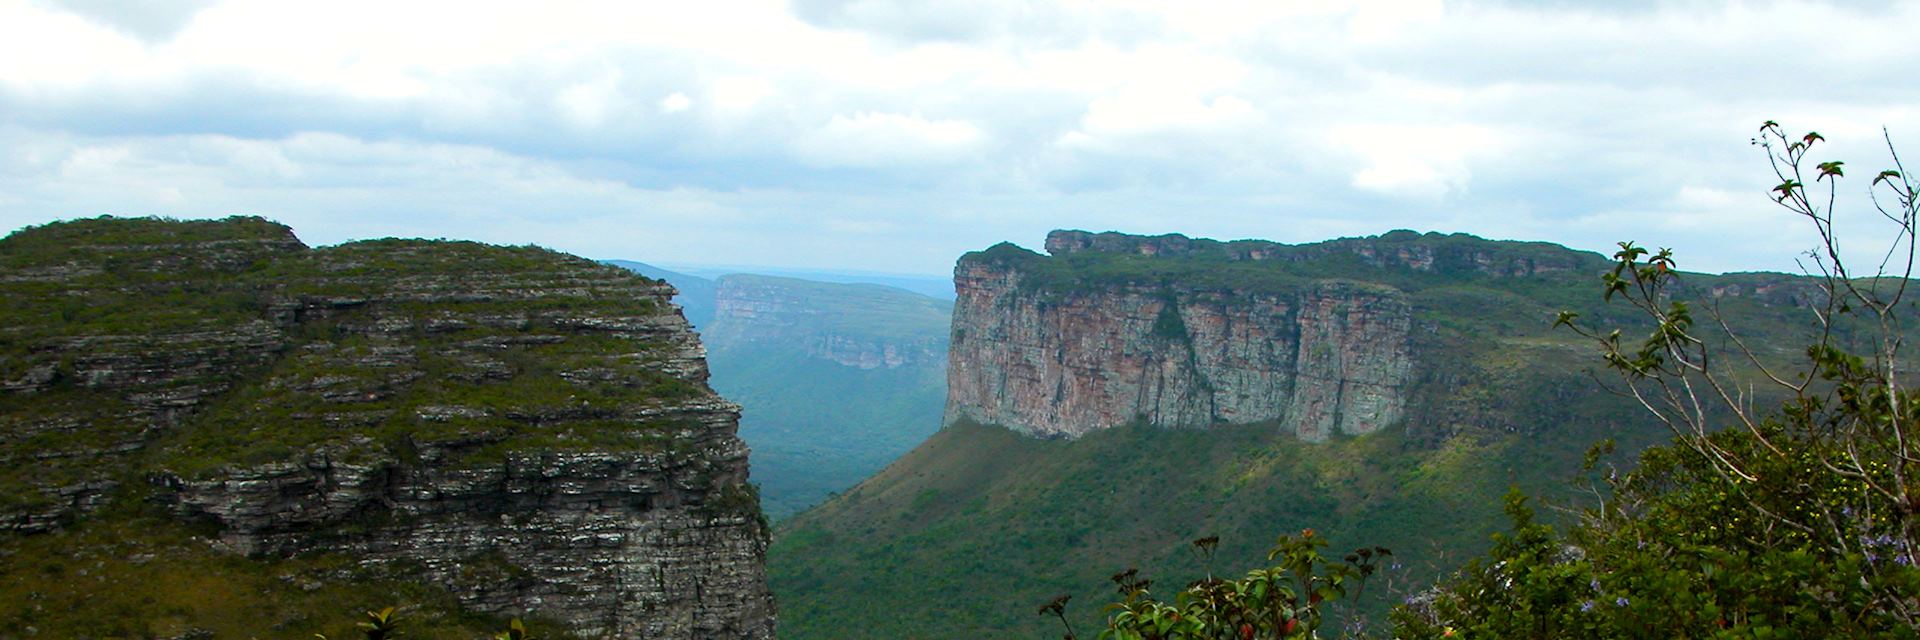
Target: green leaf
(1785, 189)
(1831, 169)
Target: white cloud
(1414, 160)
(675, 103)
(1146, 112)
(739, 93)
(151, 20)
(588, 104)
(880, 140)
(1384, 20)
(1230, 117)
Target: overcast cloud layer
(893, 136)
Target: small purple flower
(1620, 601)
(1586, 606)
(1594, 584)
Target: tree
(1287, 600)
(1793, 522)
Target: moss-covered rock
(400, 402)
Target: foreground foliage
(1793, 523)
(385, 624)
(1289, 599)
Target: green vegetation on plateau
(137, 350)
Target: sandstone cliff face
(531, 431)
(1066, 358)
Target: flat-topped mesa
(1344, 336)
(1431, 252)
(1114, 328)
(530, 430)
(898, 328)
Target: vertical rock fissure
(1062, 356)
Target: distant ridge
(779, 345)
(695, 294)
(936, 286)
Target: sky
(893, 136)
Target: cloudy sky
(893, 135)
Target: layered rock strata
(1322, 358)
(1175, 331)
(530, 430)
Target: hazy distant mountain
(835, 380)
(696, 293)
(935, 286)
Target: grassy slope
(966, 535)
(804, 449)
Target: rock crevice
(1070, 355)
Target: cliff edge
(530, 431)
(1176, 331)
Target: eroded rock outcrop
(529, 430)
(1179, 331)
(1063, 357)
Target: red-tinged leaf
(1831, 169)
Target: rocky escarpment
(855, 325)
(530, 431)
(1431, 253)
(1323, 357)
(1333, 337)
